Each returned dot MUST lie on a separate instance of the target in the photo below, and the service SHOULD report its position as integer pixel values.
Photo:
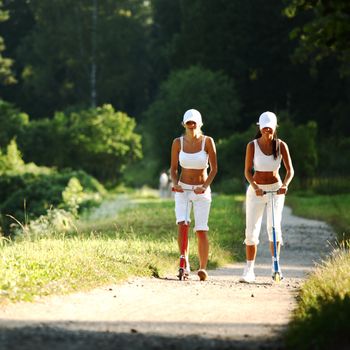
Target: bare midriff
(193, 176)
(266, 177)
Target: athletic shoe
(248, 275)
(202, 274)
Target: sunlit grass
(322, 317)
(332, 209)
(139, 241)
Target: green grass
(333, 209)
(137, 242)
(322, 317)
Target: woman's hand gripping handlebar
(196, 190)
(281, 190)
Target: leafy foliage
(96, 51)
(326, 32)
(12, 121)
(302, 143)
(6, 76)
(212, 93)
(28, 191)
(99, 140)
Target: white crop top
(198, 160)
(262, 162)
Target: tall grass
(137, 242)
(322, 318)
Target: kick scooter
(276, 276)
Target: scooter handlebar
(266, 192)
(184, 190)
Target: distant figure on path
(194, 152)
(262, 162)
(164, 185)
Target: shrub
(12, 121)
(28, 196)
(101, 141)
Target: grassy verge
(322, 318)
(323, 313)
(332, 209)
(138, 242)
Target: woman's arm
(211, 149)
(248, 168)
(287, 161)
(174, 165)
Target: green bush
(28, 196)
(12, 122)
(212, 93)
(101, 141)
(230, 186)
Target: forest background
(92, 93)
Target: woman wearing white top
(194, 152)
(262, 162)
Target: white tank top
(262, 162)
(198, 160)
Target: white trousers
(255, 206)
(201, 206)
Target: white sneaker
(248, 275)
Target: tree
(325, 33)
(212, 93)
(81, 53)
(302, 143)
(99, 140)
(6, 76)
(12, 121)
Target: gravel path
(168, 314)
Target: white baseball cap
(194, 116)
(267, 120)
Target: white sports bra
(262, 162)
(198, 160)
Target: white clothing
(255, 206)
(262, 162)
(201, 206)
(198, 160)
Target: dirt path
(167, 314)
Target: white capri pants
(201, 206)
(255, 206)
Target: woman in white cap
(262, 162)
(194, 152)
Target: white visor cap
(267, 120)
(194, 116)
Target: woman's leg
(201, 209)
(203, 249)
(183, 241)
(182, 211)
(251, 251)
(276, 220)
(254, 212)
(272, 249)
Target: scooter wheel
(276, 277)
(181, 274)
